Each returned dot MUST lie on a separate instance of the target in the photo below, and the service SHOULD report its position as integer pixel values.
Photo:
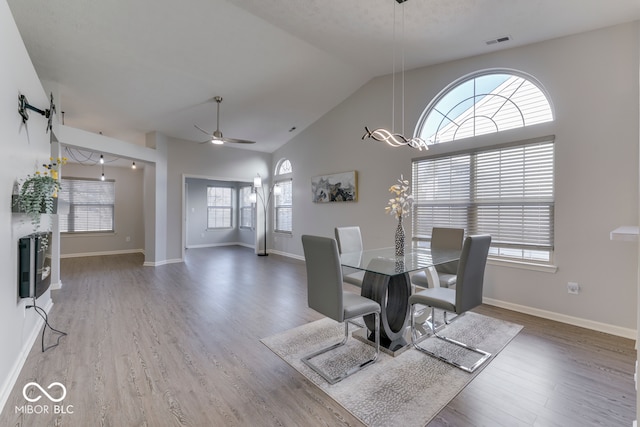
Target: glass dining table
(387, 281)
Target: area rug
(407, 390)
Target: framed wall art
(337, 187)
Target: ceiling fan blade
(216, 136)
(238, 141)
(202, 130)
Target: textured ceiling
(129, 67)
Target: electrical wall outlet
(573, 288)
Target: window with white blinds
(246, 209)
(219, 207)
(507, 192)
(91, 205)
(284, 207)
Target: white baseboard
(56, 286)
(14, 373)
(294, 256)
(215, 245)
(164, 262)
(563, 318)
(119, 252)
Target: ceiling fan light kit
(216, 137)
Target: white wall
(26, 148)
(592, 79)
(128, 216)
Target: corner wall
(26, 148)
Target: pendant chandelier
(391, 137)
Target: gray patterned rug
(407, 390)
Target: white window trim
(283, 178)
(523, 265)
(230, 207)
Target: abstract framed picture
(337, 187)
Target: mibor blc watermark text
(34, 406)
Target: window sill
(88, 234)
(545, 268)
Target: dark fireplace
(34, 265)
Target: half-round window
(484, 103)
(284, 167)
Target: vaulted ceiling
(125, 67)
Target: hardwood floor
(179, 345)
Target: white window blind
(91, 205)
(246, 209)
(284, 207)
(219, 208)
(506, 192)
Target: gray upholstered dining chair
(467, 295)
(442, 238)
(350, 240)
(325, 295)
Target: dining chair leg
(414, 341)
(336, 378)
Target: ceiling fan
(216, 137)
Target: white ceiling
(129, 67)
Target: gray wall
(592, 79)
(196, 217)
(128, 215)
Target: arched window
(506, 189)
(284, 167)
(283, 218)
(484, 103)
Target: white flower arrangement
(400, 205)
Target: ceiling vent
(498, 40)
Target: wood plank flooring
(178, 345)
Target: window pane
(284, 168)
(219, 211)
(485, 104)
(219, 217)
(246, 211)
(91, 205)
(283, 207)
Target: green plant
(38, 192)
